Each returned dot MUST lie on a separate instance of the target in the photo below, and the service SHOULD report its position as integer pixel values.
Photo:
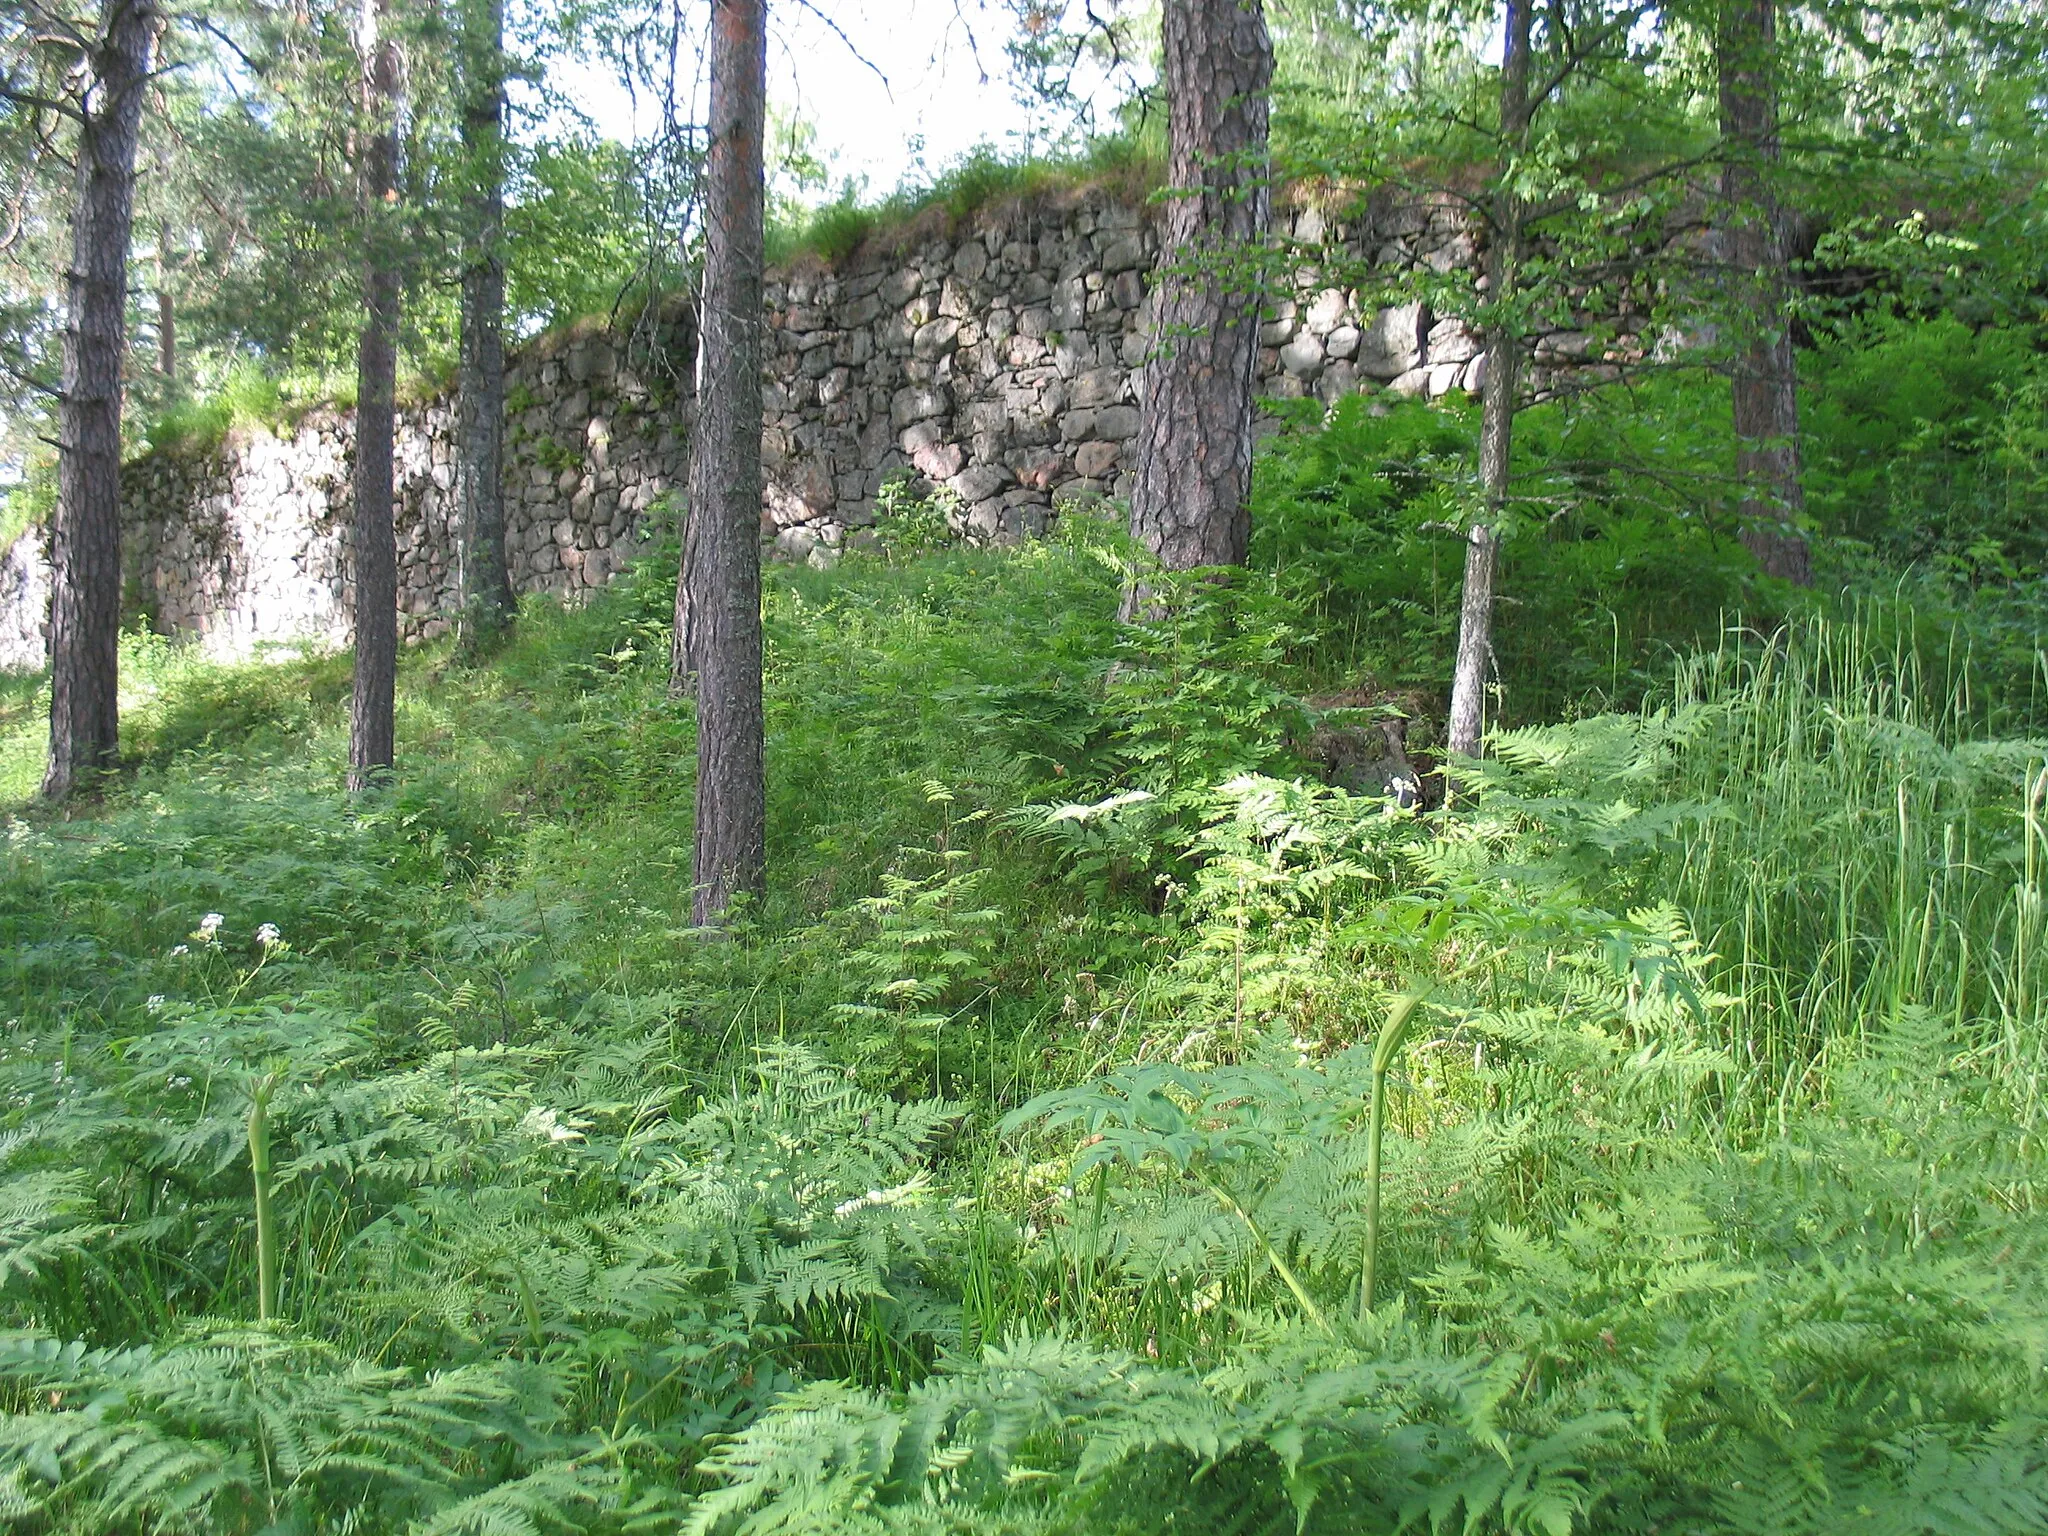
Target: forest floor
(410, 1163)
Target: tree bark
(1764, 372)
(372, 732)
(1188, 505)
(485, 592)
(85, 544)
(1466, 732)
(718, 600)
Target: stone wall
(250, 543)
(24, 603)
(998, 358)
(1002, 361)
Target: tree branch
(840, 33)
(227, 42)
(30, 381)
(40, 102)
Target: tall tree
(166, 314)
(1195, 436)
(1763, 371)
(371, 735)
(85, 608)
(1507, 215)
(718, 600)
(485, 591)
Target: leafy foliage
(1619, 553)
(1006, 1170)
(1931, 441)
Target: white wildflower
(180, 949)
(208, 929)
(155, 1003)
(268, 936)
(901, 1194)
(546, 1125)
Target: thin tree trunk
(1765, 372)
(85, 545)
(484, 590)
(1467, 727)
(682, 655)
(1188, 505)
(718, 603)
(166, 315)
(371, 736)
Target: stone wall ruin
(998, 358)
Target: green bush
(1927, 440)
(247, 396)
(1611, 562)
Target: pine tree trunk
(1466, 732)
(85, 545)
(484, 590)
(1188, 505)
(1764, 373)
(718, 604)
(371, 736)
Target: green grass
(24, 734)
(1129, 165)
(1005, 1169)
(27, 504)
(247, 396)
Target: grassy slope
(1699, 1233)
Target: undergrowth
(413, 1165)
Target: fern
(263, 1423)
(45, 1217)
